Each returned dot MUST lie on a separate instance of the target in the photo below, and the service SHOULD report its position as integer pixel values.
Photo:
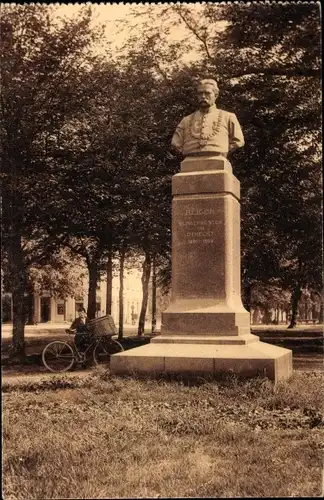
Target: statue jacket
(216, 131)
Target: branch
(40, 252)
(308, 73)
(77, 249)
(195, 32)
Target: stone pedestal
(206, 294)
(206, 328)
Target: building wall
(66, 310)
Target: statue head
(207, 92)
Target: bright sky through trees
(114, 16)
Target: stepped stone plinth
(206, 329)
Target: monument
(206, 329)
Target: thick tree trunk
(145, 285)
(17, 350)
(92, 292)
(121, 294)
(294, 305)
(109, 270)
(18, 280)
(153, 295)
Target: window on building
(60, 309)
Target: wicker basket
(102, 326)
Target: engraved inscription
(197, 225)
(198, 247)
(199, 211)
(198, 222)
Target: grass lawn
(100, 436)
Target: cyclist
(80, 327)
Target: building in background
(49, 309)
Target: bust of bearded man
(209, 130)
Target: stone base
(201, 322)
(206, 339)
(197, 358)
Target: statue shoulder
(186, 120)
(227, 114)
(229, 117)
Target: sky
(111, 15)
(103, 14)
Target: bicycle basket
(102, 326)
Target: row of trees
(85, 141)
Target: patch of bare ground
(100, 436)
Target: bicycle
(59, 356)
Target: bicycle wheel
(58, 356)
(104, 349)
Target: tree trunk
(145, 285)
(294, 305)
(267, 315)
(247, 294)
(153, 295)
(314, 314)
(31, 305)
(18, 280)
(321, 313)
(109, 283)
(277, 315)
(121, 293)
(92, 292)
(287, 311)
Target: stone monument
(205, 329)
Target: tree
(45, 82)
(62, 276)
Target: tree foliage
(62, 276)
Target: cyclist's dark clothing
(82, 337)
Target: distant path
(49, 329)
